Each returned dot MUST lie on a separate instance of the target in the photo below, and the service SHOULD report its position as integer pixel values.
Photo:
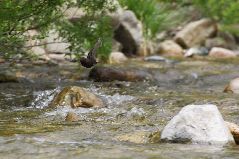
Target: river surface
(133, 111)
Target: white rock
(198, 124)
(117, 57)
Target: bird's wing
(92, 52)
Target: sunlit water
(29, 129)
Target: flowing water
(133, 112)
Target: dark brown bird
(90, 60)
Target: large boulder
(169, 48)
(128, 31)
(74, 96)
(218, 52)
(233, 86)
(198, 124)
(195, 33)
(102, 73)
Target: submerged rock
(71, 117)
(195, 33)
(218, 52)
(233, 86)
(117, 58)
(234, 128)
(8, 76)
(198, 124)
(74, 96)
(157, 58)
(169, 48)
(101, 73)
(136, 137)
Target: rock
(198, 124)
(116, 46)
(146, 48)
(136, 137)
(233, 86)
(71, 117)
(8, 76)
(74, 96)
(234, 130)
(102, 74)
(201, 51)
(57, 57)
(74, 14)
(128, 31)
(195, 33)
(169, 48)
(220, 42)
(221, 53)
(2, 60)
(56, 44)
(34, 45)
(155, 58)
(117, 58)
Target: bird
(90, 60)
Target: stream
(135, 110)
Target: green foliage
(154, 15)
(223, 11)
(17, 17)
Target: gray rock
(198, 124)
(195, 33)
(201, 51)
(128, 31)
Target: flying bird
(90, 60)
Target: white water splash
(43, 98)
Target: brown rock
(76, 97)
(195, 33)
(136, 137)
(71, 117)
(101, 73)
(234, 130)
(170, 48)
(233, 86)
(218, 52)
(117, 58)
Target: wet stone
(71, 117)
(102, 73)
(74, 97)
